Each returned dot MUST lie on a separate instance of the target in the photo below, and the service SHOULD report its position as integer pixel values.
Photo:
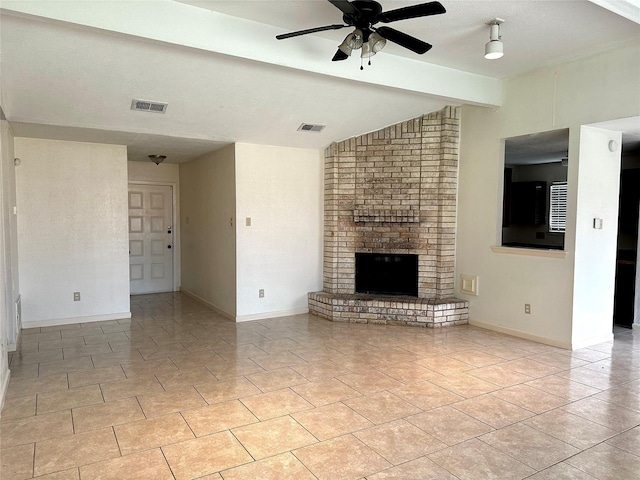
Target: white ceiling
(535, 32)
(71, 68)
(536, 148)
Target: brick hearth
(389, 310)
(393, 191)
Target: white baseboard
(212, 306)
(520, 334)
(588, 342)
(245, 318)
(67, 321)
(280, 313)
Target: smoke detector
(148, 106)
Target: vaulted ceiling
(70, 69)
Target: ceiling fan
(363, 15)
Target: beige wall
(10, 233)
(598, 190)
(8, 254)
(598, 88)
(72, 231)
(280, 189)
(165, 173)
(207, 226)
(224, 261)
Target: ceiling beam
(176, 23)
(629, 9)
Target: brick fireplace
(393, 192)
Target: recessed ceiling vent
(147, 106)
(310, 127)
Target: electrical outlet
(261, 293)
(76, 296)
(527, 308)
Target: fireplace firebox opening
(387, 274)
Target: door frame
(175, 198)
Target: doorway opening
(627, 253)
(626, 296)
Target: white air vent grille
(147, 106)
(311, 127)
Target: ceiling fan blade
(340, 55)
(404, 40)
(414, 11)
(310, 30)
(345, 6)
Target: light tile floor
(177, 392)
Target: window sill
(531, 252)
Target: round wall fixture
(613, 146)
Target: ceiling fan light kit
(345, 48)
(366, 51)
(494, 48)
(363, 15)
(355, 39)
(373, 46)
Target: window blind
(558, 207)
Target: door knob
(168, 246)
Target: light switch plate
(597, 223)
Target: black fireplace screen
(387, 274)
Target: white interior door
(150, 238)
